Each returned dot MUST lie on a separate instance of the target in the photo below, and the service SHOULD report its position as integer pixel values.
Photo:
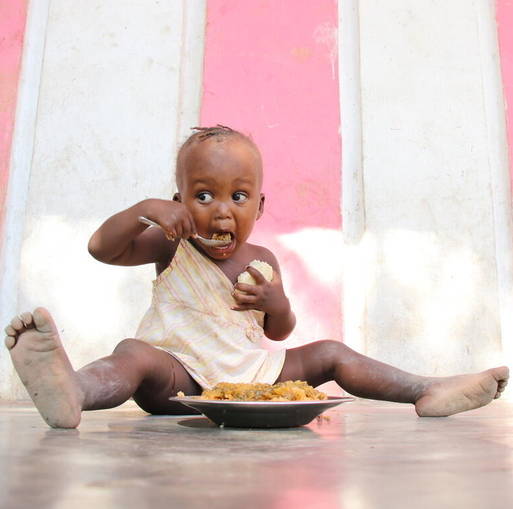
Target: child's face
(220, 184)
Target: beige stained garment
(190, 317)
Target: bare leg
(361, 376)
(135, 369)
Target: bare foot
(43, 366)
(450, 395)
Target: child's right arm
(123, 240)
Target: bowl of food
(282, 405)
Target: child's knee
(131, 345)
(330, 348)
(330, 353)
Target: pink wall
(505, 35)
(12, 27)
(271, 72)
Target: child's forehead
(219, 147)
(216, 179)
(205, 156)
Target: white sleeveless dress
(190, 317)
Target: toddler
(203, 327)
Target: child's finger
(169, 233)
(245, 288)
(244, 298)
(168, 230)
(188, 226)
(178, 228)
(184, 226)
(169, 236)
(191, 225)
(242, 307)
(257, 275)
(188, 230)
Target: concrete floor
(368, 455)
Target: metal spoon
(203, 240)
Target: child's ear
(261, 206)
(177, 197)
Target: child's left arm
(269, 297)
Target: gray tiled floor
(368, 455)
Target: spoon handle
(207, 242)
(149, 222)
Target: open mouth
(225, 241)
(223, 236)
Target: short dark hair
(202, 133)
(219, 132)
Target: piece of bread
(263, 267)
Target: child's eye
(204, 197)
(239, 197)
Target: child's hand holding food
(259, 287)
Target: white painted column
(434, 186)
(19, 177)
(119, 84)
(353, 200)
(494, 104)
(191, 68)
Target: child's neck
(237, 262)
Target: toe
(501, 374)
(17, 324)
(10, 341)
(26, 318)
(42, 320)
(10, 330)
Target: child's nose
(223, 211)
